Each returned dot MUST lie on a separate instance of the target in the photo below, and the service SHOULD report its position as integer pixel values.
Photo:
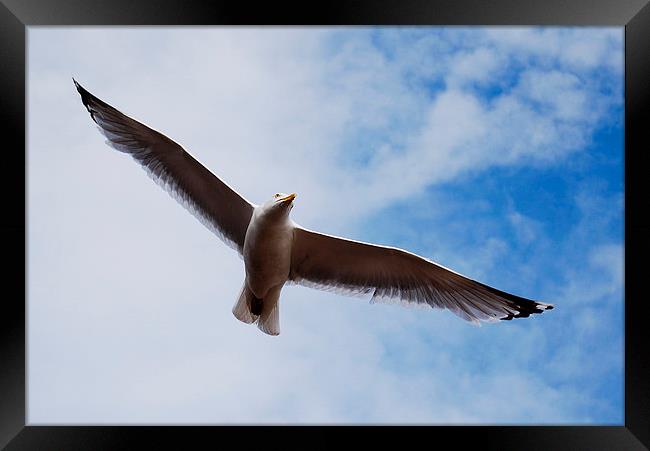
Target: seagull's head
(280, 204)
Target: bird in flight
(277, 251)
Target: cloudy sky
(497, 152)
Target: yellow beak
(289, 198)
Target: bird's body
(267, 251)
(267, 261)
(276, 250)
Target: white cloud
(526, 229)
(610, 257)
(561, 92)
(477, 66)
(578, 48)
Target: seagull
(277, 251)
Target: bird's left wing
(328, 262)
(220, 208)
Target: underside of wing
(394, 275)
(215, 204)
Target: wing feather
(391, 274)
(217, 206)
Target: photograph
(325, 225)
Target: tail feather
(269, 320)
(243, 307)
(264, 312)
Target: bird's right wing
(213, 202)
(328, 262)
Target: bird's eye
(277, 194)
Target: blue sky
(497, 152)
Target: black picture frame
(16, 15)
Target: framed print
(486, 162)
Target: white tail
(268, 321)
(242, 308)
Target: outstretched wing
(332, 263)
(213, 202)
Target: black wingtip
(527, 308)
(86, 98)
(89, 100)
(80, 89)
(85, 95)
(520, 307)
